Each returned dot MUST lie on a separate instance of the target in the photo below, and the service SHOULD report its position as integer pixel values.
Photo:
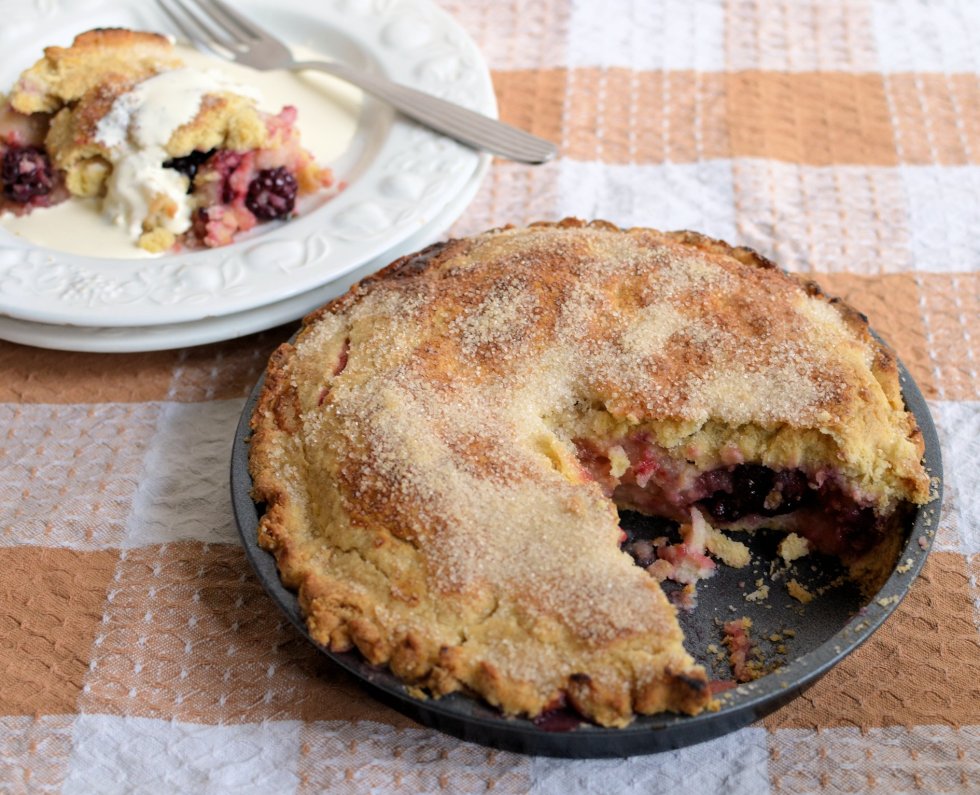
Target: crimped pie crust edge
(276, 422)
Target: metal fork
(215, 27)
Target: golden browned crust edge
(684, 692)
(64, 74)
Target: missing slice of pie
(176, 155)
(442, 453)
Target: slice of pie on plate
(176, 155)
(442, 450)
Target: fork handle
(464, 125)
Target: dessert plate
(128, 339)
(817, 636)
(398, 176)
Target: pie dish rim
(467, 718)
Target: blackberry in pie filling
(26, 172)
(189, 164)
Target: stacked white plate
(403, 187)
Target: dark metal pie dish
(809, 639)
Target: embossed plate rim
(126, 339)
(414, 174)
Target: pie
(176, 155)
(442, 452)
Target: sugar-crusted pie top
(414, 448)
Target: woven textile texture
(138, 653)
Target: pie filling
(27, 178)
(228, 191)
(175, 155)
(640, 475)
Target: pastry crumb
(729, 551)
(740, 648)
(798, 592)
(758, 595)
(619, 462)
(793, 547)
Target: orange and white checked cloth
(840, 137)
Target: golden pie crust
(415, 450)
(65, 74)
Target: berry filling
(237, 190)
(558, 716)
(753, 490)
(228, 191)
(26, 173)
(641, 476)
(272, 194)
(189, 164)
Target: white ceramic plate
(122, 339)
(400, 177)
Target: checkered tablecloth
(138, 653)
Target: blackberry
(859, 529)
(757, 489)
(724, 507)
(26, 172)
(189, 164)
(272, 194)
(751, 483)
(793, 490)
